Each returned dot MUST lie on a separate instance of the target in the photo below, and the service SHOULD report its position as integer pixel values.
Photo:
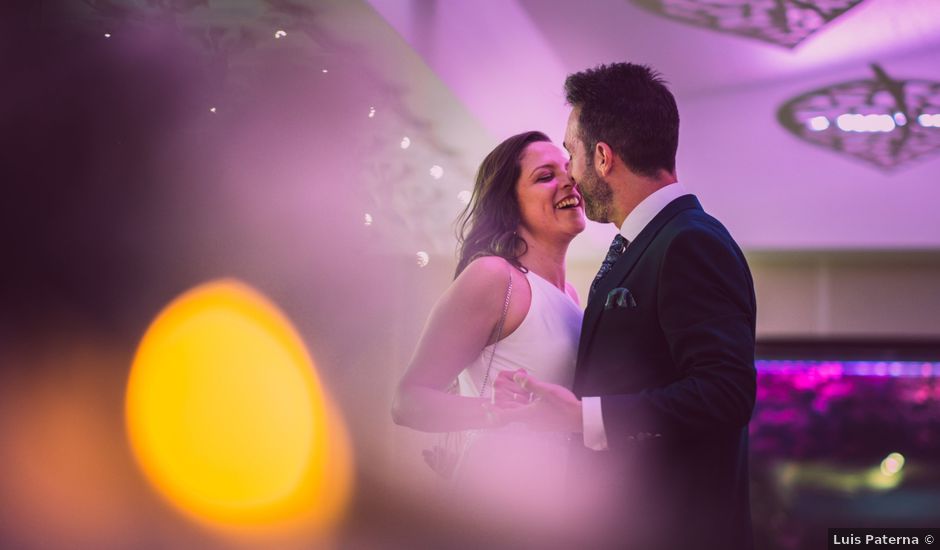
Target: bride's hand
(508, 394)
(552, 407)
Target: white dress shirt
(592, 419)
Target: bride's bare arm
(459, 327)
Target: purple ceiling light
(880, 120)
(782, 22)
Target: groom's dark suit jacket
(668, 344)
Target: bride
(509, 307)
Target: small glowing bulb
(818, 123)
(405, 142)
(882, 123)
(325, 71)
(368, 219)
(892, 464)
(866, 123)
(929, 120)
(464, 196)
(280, 33)
(846, 122)
(423, 258)
(107, 35)
(437, 172)
(211, 109)
(371, 112)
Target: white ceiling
(498, 56)
(506, 62)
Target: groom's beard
(597, 196)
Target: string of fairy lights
(435, 171)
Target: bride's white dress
(514, 466)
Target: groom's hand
(552, 407)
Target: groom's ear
(603, 158)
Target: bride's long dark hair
(487, 226)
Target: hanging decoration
(786, 23)
(883, 121)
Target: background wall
(886, 294)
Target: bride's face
(549, 202)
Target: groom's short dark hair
(628, 107)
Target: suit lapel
(625, 264)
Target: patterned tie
(617, 247)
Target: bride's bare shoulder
(484, 276)
(488, 266)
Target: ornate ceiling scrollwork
(883, 121)
(786, 23)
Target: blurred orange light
(228, 420)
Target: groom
(665, 380)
